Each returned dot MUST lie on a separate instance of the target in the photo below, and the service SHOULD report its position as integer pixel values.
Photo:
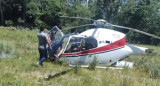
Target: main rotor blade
(77, 26)
(77, 18)
(136, 30)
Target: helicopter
(107, 46)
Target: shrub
(7, 48)
(76, 68)
(39, 23)
(20, 20)
(92, 66)
(9, 22)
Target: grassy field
(23, 71)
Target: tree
(1, 11)
(33, 11)
(142, 15)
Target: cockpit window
(75, 40)
(90, 43)
(64, 42)
(74, 45)
(55, 33)
(77, 44)
(58, 39)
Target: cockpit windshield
(75, 40)
(74, 45)
(77, 44)
(58, 39)
(55, 34)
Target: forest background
(140, 14)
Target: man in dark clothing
(42, 46)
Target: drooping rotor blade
(136, 30)
(78, 18)
(77, 26)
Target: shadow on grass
(57, 74)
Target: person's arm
(49, 44)
(60, 52)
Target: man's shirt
(42, 37)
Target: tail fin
(138, 50)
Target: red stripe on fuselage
(108, 47)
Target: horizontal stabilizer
(138, 50)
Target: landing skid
(118, 65)
(86, 66)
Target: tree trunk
(1, 12)
(24, 13)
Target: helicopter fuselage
(109, 47)
(106, 46)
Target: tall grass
(23, 71)
(148, 63)
(6, 47)
(93, 64)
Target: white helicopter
(107, 46)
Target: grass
(23, 71)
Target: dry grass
(23, 71)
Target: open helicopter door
(55, 33)
(55, 36)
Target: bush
(76, 68)
(92, 66)
(9, 22)
(7, 48)
(20, 20)
(39, 23)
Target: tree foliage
(140, 14)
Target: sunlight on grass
(23, 71)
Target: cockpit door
(66, 42)
(74, 45)
(55, 33)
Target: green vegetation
(23, 71)
(140, 14)
(92, 66)
(21, 42)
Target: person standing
(42, 45)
